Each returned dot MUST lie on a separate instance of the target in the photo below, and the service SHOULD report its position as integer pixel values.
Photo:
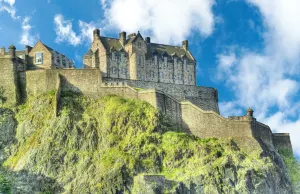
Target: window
(161, 75)
(39, 58)
(139, 45)
(151, 74)
(190, 78)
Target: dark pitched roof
(162, 49)
(153, 48)
(108, 43)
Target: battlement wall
(282, 141)
(204, 97)
(204, 123)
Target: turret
(12, 51)
(96, 34)
(249, 113)
(123, 38)
(2, 51)
(185, 45)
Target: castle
(132, 67)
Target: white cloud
(8, 6)
(65, 33)
(166, 21)
(230, 109)
(27, 38)
(268, 81)
(87, 30)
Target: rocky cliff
(116, 145)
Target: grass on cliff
(292, 165)
(98, 146)
(5, 184)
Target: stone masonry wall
(204, 97)
(86, 81)
(183, 114)
(282, 141)
(9, 79)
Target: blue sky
(247, 49)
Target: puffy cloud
(65, 33)
(87, 30)
(8, 6)
(166, 21)
(267, 81)
(26, 37)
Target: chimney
(148, 40)
(12, 51)
(96, 34)
(123, 38)
(2, 51)
(27, 49)
(185, 45)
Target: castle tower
(9, 76)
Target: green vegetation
(99, 146)
(5, 185)
(293, 167)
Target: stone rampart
(204, 123)
(204, 97)
(282, 141)
(86, 81)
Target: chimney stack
(27, 49)
(148, 40)
(96, 34)
(123, 38)
(2, 51)
(185, 45)
(12, 51)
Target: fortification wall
(204, 97)
(184, 114)
(9, 79)
(86, 81)
(282, 141)
(262, 132)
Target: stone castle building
(40, 56)
(136, 58)
(132, 67)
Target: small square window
(39, 58)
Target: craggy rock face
(117, 145)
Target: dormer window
(39, 58)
